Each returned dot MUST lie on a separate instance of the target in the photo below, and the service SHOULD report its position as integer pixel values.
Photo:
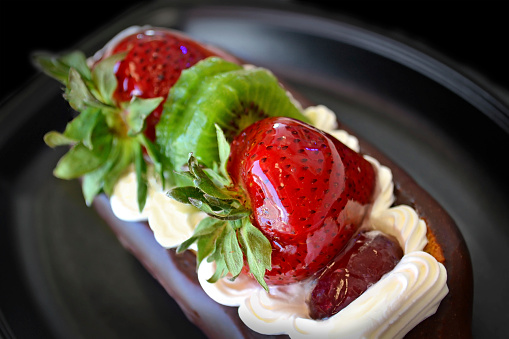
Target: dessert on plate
(253, 208)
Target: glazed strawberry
(361, 264)
(120, 99)
(293, 197)
(307, 191)
(155, 58)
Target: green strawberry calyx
(227, 235)
(106, 137)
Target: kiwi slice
(215, 91)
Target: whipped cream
(171, 221)
(403, 298)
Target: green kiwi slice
(215, 91)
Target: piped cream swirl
(171, 221)
(411, 292)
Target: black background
(473, 34)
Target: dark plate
(64, 274)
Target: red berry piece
(118, 98)
(153, 64)
(360, 265)
(308, 193)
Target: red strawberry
(308, 193)
(155, 58)
(120, 100)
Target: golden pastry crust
(433, 247)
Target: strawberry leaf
(221, 269)
(138, 110)
(186, 244)
(93, 183)
(153, 153)
(77, 94)
(203, 182)
(121, 158)
(202, 204)
(81, 159)
(236, 224)
(78, 61)
(183, 194)
(217, 257)
(79, 129)
(212, 210)
(58, 67)
(82, 127)
(205, 227)
(78, 161)
(103, 76)
(217, 178)
(257, 249)
(184, 178)
(219, 204)
(231, 252)
(211, 243)
(224, 151)
(141, 176)
(104, 177)
(54, 139)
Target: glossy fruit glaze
(308, 192)
(363, 262)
